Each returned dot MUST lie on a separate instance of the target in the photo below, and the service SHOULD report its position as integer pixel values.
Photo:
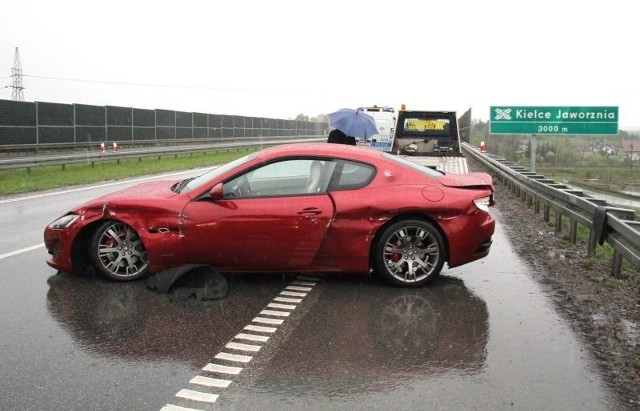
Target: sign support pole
(534, 147)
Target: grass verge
(17, 181)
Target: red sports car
(310, 207)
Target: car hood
(141, 192)
(467, 180)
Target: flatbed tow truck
(431, 139)
(428, 138)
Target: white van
(386, 122)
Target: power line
(122, 83)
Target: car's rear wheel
(118, 252)
(409, 253)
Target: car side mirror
(217, 192)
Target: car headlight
(483, 203)
(64, 221)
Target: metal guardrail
(619, 227)
(123, 153)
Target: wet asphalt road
(483, 337)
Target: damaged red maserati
(307, 207)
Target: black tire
(117, 252)
(409, 253)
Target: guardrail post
(593, 243)
(558, 221)
(616, 269)
(546, 213)
(573, 232)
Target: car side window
(350, 175)
(291, 177)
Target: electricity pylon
(17, 93)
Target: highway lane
(36, 210)
(86, 344)
(484, 337)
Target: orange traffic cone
(482, 147)
(115, 147)
(101, 147)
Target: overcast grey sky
(281, 58)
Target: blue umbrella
(354, 123)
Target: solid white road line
(23, 250)
(91, 187)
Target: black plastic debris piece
(200, 281)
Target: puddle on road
(485, 338)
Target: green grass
(24, 180)
(603, 252)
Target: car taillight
(483, 203)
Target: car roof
(361, 153)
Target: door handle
(310, 211)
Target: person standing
(338, 137)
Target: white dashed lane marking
(264, 320)
(170, 407)
(251, 337)
(260, 328)
(233, 357)
(288, 300)
(275, 313)
(197, 395)
(222, 369)
(236, 352)
(210, 382)
(243, 347)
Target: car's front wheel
(118, 252)
(409, 253)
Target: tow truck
(430, 138)
(427, 133)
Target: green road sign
(553, 120)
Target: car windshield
(215, 172)
(423, 169)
